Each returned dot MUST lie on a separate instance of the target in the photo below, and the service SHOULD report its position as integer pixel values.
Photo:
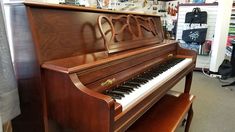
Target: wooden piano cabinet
(166, 114)
(76, 107)
(64, 56)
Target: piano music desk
(166, 115)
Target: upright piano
(91, 70)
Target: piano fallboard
(98, 67)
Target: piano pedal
(184, 122)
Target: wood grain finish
(78, 8)
(124, 32)
(90, 60)
(144, 60)
(61, 60)
(57, 37)
(74, 106)
(165, 114)
(121, 120)
(28, 73)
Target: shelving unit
(203, 60)
(232, 23)
(231, 34)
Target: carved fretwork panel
(125, 32)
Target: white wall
(221, 33)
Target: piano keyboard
(136, 89)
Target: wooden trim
(34, 34)
(78, 8)
(141, 26)
(51, 64)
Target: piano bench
(166, 114)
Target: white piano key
(146, 89)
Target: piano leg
(189, 119)
(188, 82)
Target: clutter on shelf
(169, 17)
(195, 31)
(138, 6)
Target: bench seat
(166, 114)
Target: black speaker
(233, 64)
(233, 60)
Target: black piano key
(124, 87)
(146, 76)
(117, 93)
(145, 80)
(156, 72)
(152, 73)
(136, 83)
(132, 85)
(120, 92)
(141, 81)
(114, 96)
(127, 86)
(123, 90)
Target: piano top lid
(82, 62)
(78, 8)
